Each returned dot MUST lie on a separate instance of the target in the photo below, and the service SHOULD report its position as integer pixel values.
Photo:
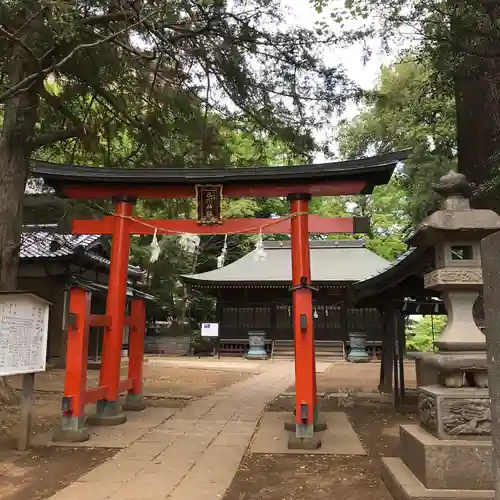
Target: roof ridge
(286, 244)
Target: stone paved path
(193, 455)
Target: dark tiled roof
(39, 244)
(411, 263)
(46, 245)
(94, 286)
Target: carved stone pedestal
(433, 468)
(426, 374)
(454, 369)
(449, 455)
(455, 413)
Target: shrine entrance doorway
(297, 183)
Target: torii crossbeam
(208, 186)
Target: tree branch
(15, 39)
(57, 104)
(126, 15)
(25, 83)
(55, 136)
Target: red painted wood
(271, 190)
(99, 320)
(94, 395)
(128, 321)
(305, 366)
(136, 344)
(103, 320)
(77, 352)
(317, 224)
(115, 302)
(125, 385)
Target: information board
(24, 322)
(210, 329)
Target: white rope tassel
(222, 257)
(260, 254)
(189, 242)
(155, 249)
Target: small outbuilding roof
(41, 242)
(46, 244)
(332, 262)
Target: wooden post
(305, 368)
(386, 366)
(73, 426)
(134, 400)
(26, 411)
(396, 364)
(77, 351)
(400, 334)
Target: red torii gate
(207, 185)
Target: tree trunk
(20, 115)
(477, 88)
(13, 173)
(477, 92)
(478, 133)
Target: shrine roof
(102, 288)
(332, 262)
(41, 242)
(374, 170)
(411, 264)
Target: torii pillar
(303, 330)
(108, 409)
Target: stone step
(404, 485)
(325, 350)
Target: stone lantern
(455, 232)
(451, 446)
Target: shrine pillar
(73, 426)
(134, 401)
(108, 411)
(305, 365)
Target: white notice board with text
(210, 329)
(24, 325)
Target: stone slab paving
(339, 438)
(193, 455)
(232, 364)
(137, 425)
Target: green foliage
(163, 77)
(406, 111)
(387, 209)
(421, 333)
(175, 83)
(458, 44)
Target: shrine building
(252, 293)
